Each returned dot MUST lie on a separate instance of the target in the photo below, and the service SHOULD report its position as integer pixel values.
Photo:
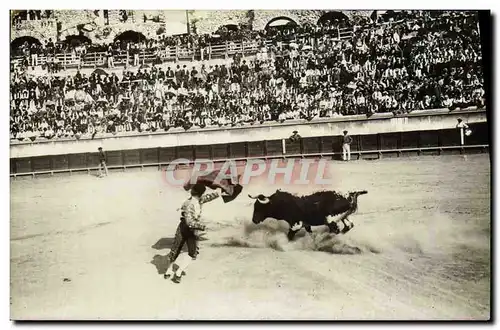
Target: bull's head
(353, 198)
(261, 208)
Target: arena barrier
(435, 119)
(392, 144)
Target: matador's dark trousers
(184, 235)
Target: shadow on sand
(163, 243)
(161, 261)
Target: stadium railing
(176, 53)
(166, 53)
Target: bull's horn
(359, 192)
(261, 198)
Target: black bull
(317, 209)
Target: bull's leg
(291, 234)
(308, 229)
(294, 229)
(347, 225)
(332, 225)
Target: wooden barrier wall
(435, 119)
(430, 141)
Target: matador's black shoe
(167, 276)
(176, 279)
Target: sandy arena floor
(89, 248)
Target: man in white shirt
(464, 130)
(346, 146)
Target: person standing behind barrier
(111, 63)
(102, 162)
(463, 127)
(135, 51)
(346, 146)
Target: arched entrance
(385, 15)
(18, 45)
(230, 27)
(281, 22)
(334, 18)
(18, 42)
(77, 40)
(225, 31)
(227, 28)
(129, 35)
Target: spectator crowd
(423, 61)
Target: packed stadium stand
(393, 62)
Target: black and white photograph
(250, 165)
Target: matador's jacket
(189, 226)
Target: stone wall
(41, 30)
(99, 33)
(209, 21)
(263, 17)
(206, 21)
